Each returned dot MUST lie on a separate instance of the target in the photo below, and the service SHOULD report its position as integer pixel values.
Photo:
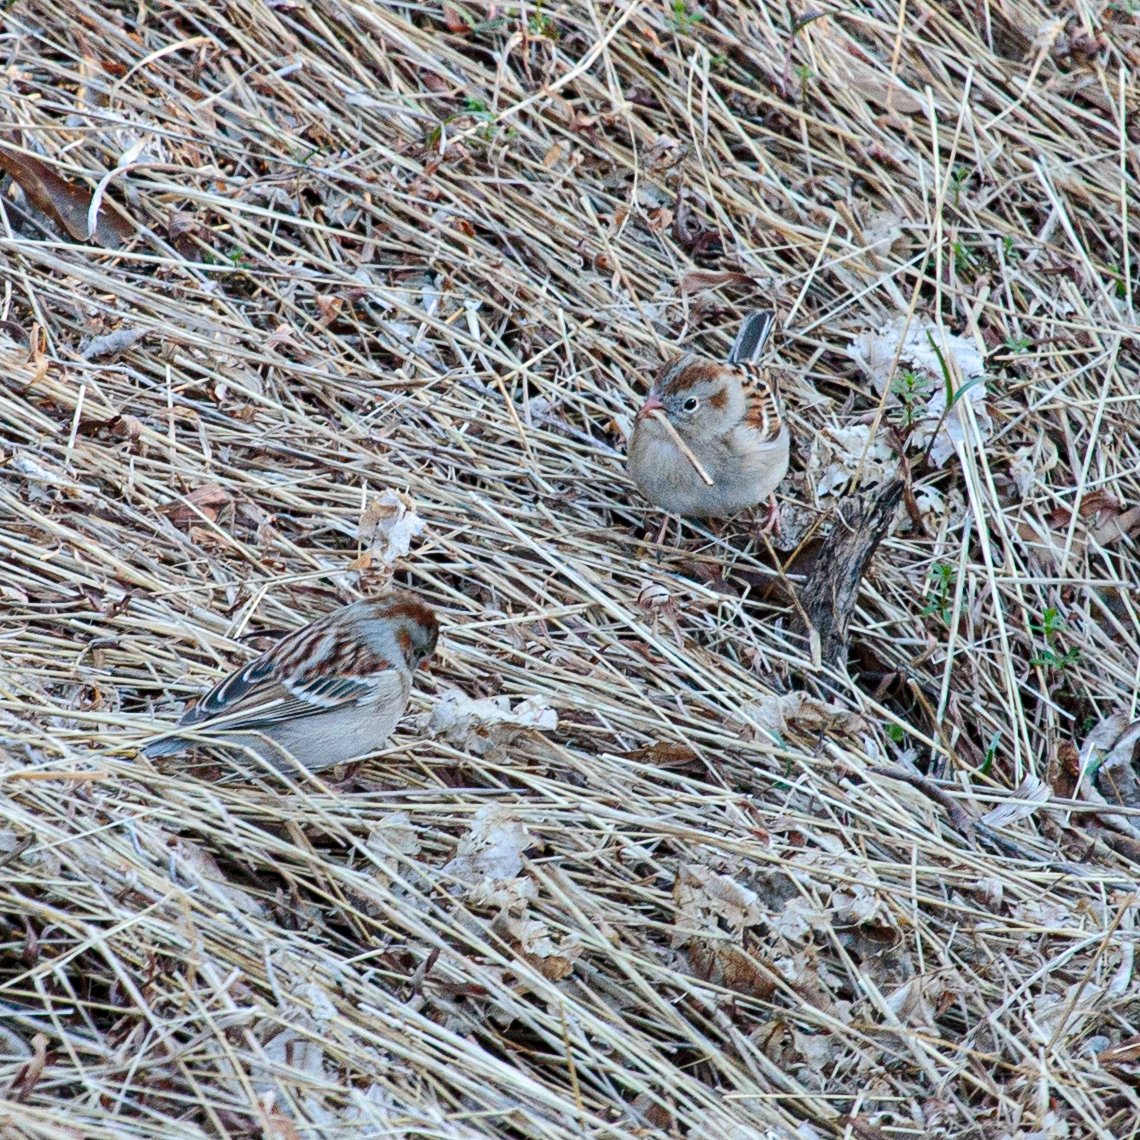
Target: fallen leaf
(387, 526)
(205, 502)
(481, 725)
(918, 344)
(552, 956)
(1117, 775)
(712, 902)
(730, 966)
(778, 712)
(118, 341)
(837, 453)
(1026, 798)
(117, 429)
(29, 1075)
(66, 202)
(1116, 526)
(1123, 1053)
(329, 307)
(697, 279)
(195, 864)
(492, 848)
(665, 754)
(455, 20)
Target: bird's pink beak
(651, 405)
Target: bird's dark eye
(690, 405)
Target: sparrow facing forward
(728, 418)
(326, 693)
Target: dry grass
(389, 246)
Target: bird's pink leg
(772, 522)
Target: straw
(705, 904)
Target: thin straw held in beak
(682, 446)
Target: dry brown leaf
(455, 20)
(31, 1072)
(65, 202)
(666, 754)
(117, 429)
(206, 501)
(1123, 1053)
(697, 279)
(329, 307)
(730, 966)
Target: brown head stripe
(686, 373)
(406, 606)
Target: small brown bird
(328, 692)
(710, 440)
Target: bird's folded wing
(258, 701)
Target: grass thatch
(351, 248)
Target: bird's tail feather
(753, 336)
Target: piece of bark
(828, 596)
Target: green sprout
(1009, 248)
(964, 259)
(540, 24)
(939, 600)
(911, 389)
(682, 18)
(958, 179)
(991, 753)
(1052, 624)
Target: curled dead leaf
(665, 754)
(1125, 1053)
(328, 306)
(730, 966)
(697, 279)
(457, 22)
(206, 502)
(111, 344)
(65, 201)
(118, 429)
(29, 1076)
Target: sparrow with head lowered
(328, 692)
(710, 439)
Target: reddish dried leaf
(65, 202)
(434, 83)
(1124, 1053)
(726, 965)
(666, 754)
(209, 500)
(115, 430)
(28, 1077)
(1116, 526)
(697, 279)
(329, 307)
(553, 967)
(455, 21)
